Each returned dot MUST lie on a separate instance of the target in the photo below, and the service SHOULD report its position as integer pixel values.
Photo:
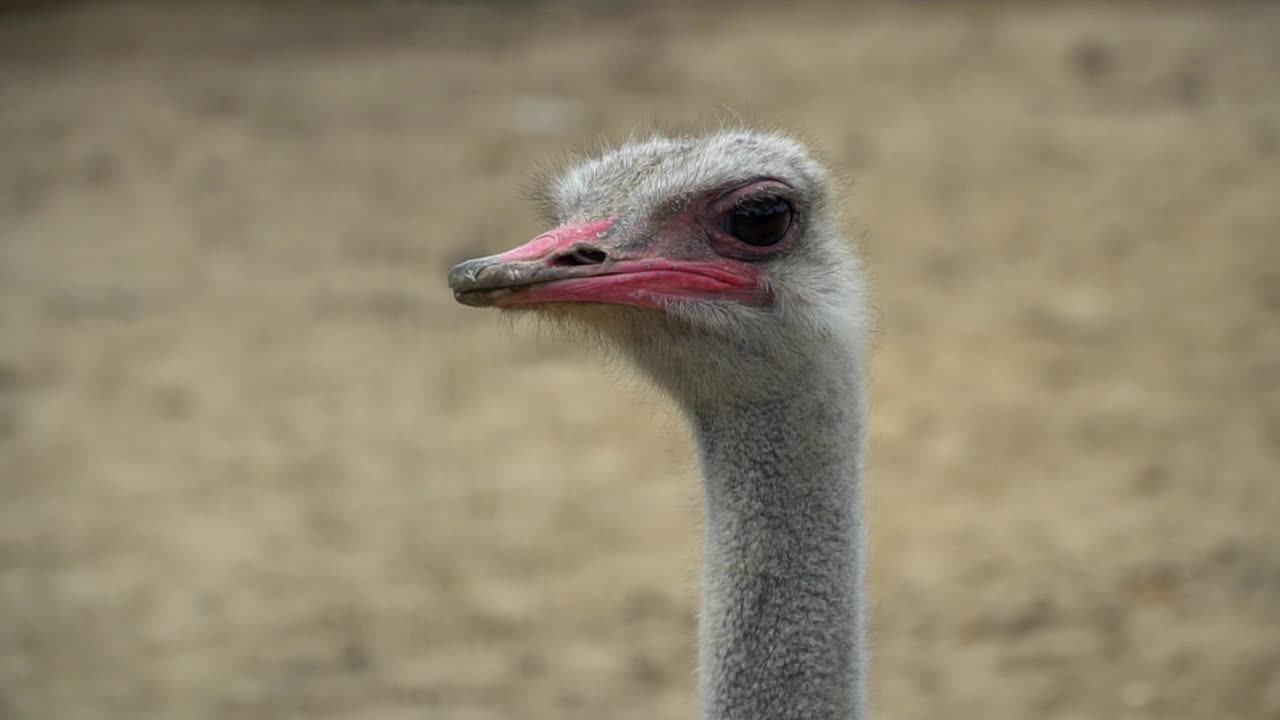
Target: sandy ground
(255, 462)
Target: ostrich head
(715, 262)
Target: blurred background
(256, 463)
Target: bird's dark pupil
(759, 222)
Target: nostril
(580, 255)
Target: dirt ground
(256, 463)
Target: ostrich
(716, 265)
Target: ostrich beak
(584, 264)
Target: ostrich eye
(759, 222)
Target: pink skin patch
(560, 238)
(650, 284)
(551, 269)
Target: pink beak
(578, 264)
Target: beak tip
(466, 282)
(465, 274)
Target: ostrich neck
(780, 629)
